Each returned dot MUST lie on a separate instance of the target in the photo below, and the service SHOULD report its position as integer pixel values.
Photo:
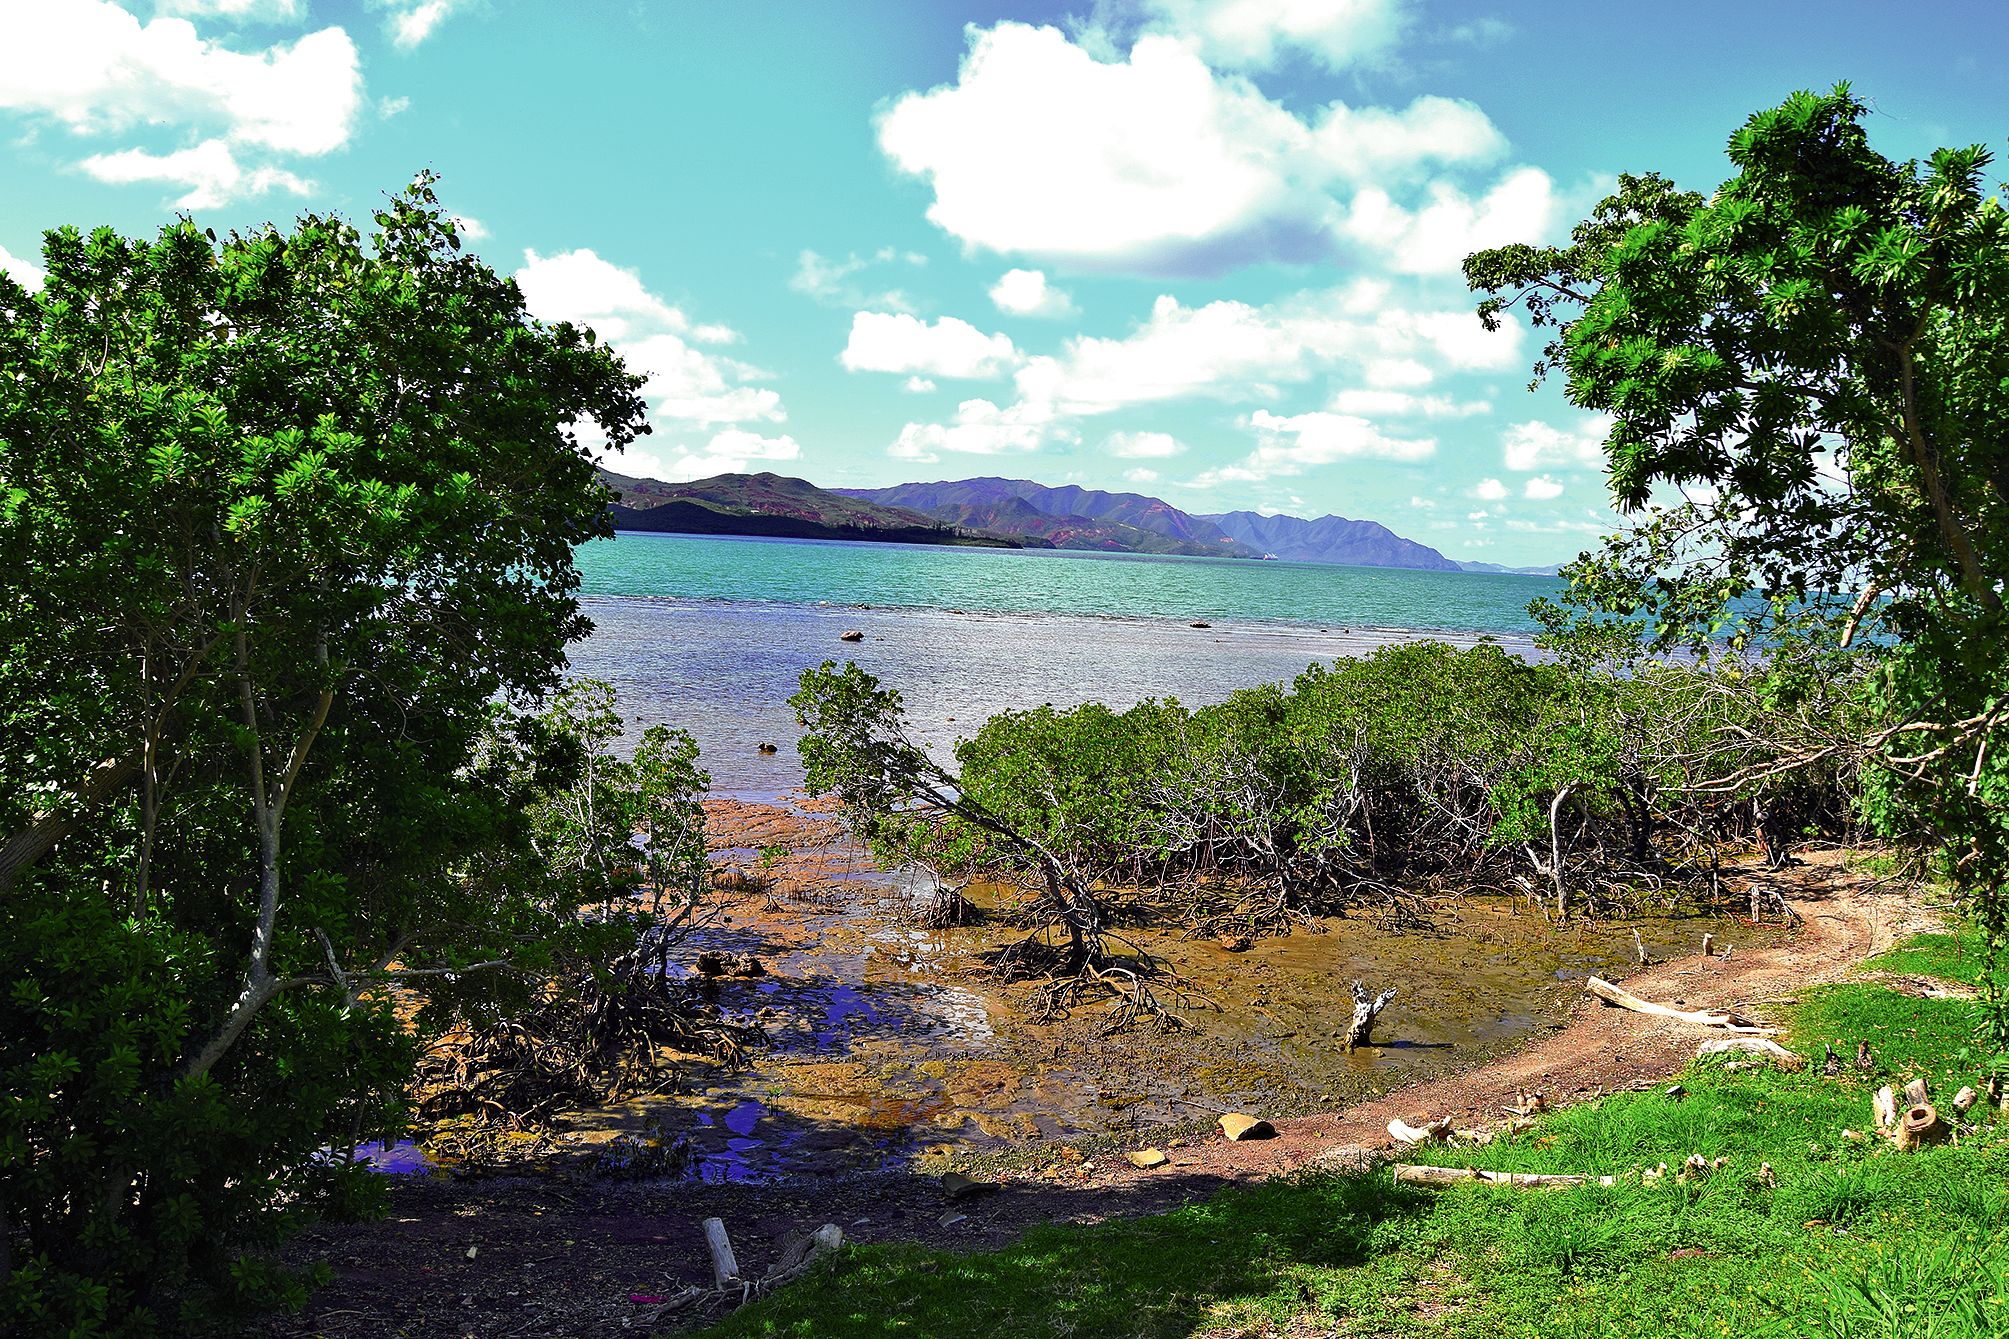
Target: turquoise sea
(710, 633)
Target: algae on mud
(891, 1045)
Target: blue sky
(1205, 249)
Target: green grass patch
(1843, 1237)
(1955, 956)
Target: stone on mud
(1238, 1127)
(1147, 1158)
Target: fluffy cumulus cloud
(687, 386)
(1027, 293)
(945, 347)
(1535, 445)
(1158, 162)
(1489, 490)
(22, 271)
(1541, 488)
(980, 428)
(1292, 444)
(96, 70)
(1255, 34)
(1143, 445)
(730, 451)
(1238, 352)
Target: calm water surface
(711, 634)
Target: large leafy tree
(285, 514)
(1807, 376)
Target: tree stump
(1365, 1010)
(1922, 1125)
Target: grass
(1848, 1238)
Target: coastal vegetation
(287, 515)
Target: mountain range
(1010, 513)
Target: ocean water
(711, 634)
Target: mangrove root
(1611, 994)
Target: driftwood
(1366, 1009)
(1611, 994)
(1790, 1061)
(1432, 1132)
(725, 1267)
(1884, 1107)
(1451, 1176)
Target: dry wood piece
(1708, 944)
(1431, 1132)
(1921, 1125)
(1366, 1008)
(1790, 1061)
(1611, 994)
(1916, 1093)
(1639, 947)
(1451, 1176)
(725, 1268)
(1884, 1107)
(1964, 1100)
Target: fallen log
(1964, 1100)
(1450, 1176)
(1612, 995)
(1791, 1061)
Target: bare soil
(540, 1256)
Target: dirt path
(528, 1256)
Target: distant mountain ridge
(1070, 517)
(999, 512)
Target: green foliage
(1414, 762)
(286, 513)
(1817, 355)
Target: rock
(853, 635)
(957, 1186)
(1239, 1127)
(1199, 624)
(768, 748)
(745, 964)
(1234, 943)
(1147, 1158)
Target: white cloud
(834, 282)
(209, 174)
(470, 229)
(1541, 488)
(95, 69)
(731, 451)
(411, 22)
(1027, 293)
(22, 271)
(684, 384)
(1294, 444)
(1156, 162)
(237, 11)
(917, 385)
(1489, 490)
(1423, 503)
(945, 347)
(1144, 445)
(1253, 34)
(1535, 445)
(980, 428)
(1140, 475)
(1402, 404)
